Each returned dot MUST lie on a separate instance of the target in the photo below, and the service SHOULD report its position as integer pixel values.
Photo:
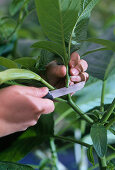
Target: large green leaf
(106, 43)
(55, 17)
(13, 74)
(11, 166)
(30, 139)
(7, 63)
(87, 98)
(99, 138)
(101, 63)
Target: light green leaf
(13, 74)
(11, 166)
(90, 155)
(87, 99)
(7, 63)
(99, 138)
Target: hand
(56, 73)
(21, 107)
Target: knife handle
(48, 96)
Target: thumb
(32, 91)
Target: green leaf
(110, 67)
(99, 138)
(13, 74)
(7, 26)
(55, 17)
(11, 166)
(90, 155)
(101, 63)
(15, 6)
(7, 63)
(80, 30)
(29, 139)
(106, 43)
(26, 62)
(50, 46)
(93, 51)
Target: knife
(64, 91)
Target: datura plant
(65, 25)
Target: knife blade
(64, 91)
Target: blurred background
(20, 38)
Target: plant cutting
(65, 24)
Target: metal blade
(65, 91)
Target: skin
(21, 106)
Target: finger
(84, 76)
(76, 79)
(58, 71)
(32, 91)
(81, 66)
(43, 106)
(81, 77)
(74, 59)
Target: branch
(72, 140)
(79, 111)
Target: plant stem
(110, 123)
(112, 156)
(79, 111)
(54, 154)
(102, 163)
(72, 140)
(102, 96)
(108, 112)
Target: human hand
(56, 73)
(21, 107)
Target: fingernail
(75, 71)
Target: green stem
(102, 96)
(72, 140)
(79, 111)
(108, 112)
(54, 154)
(102, 163)
(112, 156)
(110, 123)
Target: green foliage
(90, 155)
(99, 138)
(57, 25)
(10, 166)
(26, 62)
(29, 139)
(65, 25)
